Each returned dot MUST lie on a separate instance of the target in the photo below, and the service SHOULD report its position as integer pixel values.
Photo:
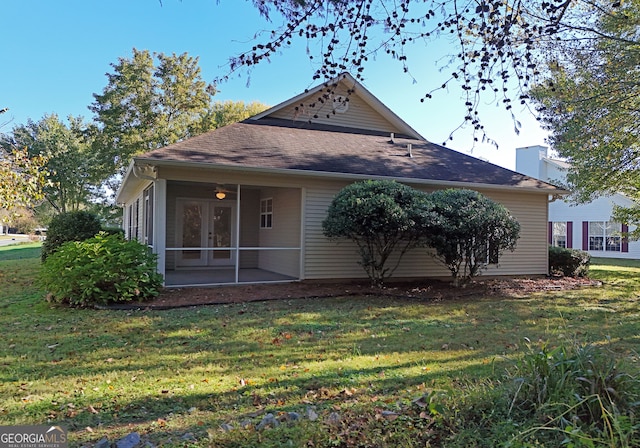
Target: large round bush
(380, 216)
(101, 270)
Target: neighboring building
(586, 226)
(245, 203)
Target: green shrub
(381, 217)
(71, 226)
(113, 231)
(576, 393)
(104, 269)
(568, 262)
(470, 232)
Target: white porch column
(237, 230)
(160, 223)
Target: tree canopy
(69, 160)
(498, 47)
(591, 103)
(154, 100)
(223, 113)
(146, 106)
(22, 179)
(151, 100)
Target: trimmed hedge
(568, 262)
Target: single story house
(588, 226)
(245, 203)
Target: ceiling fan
(221, 192)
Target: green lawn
(177, 376)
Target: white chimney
(529, 161)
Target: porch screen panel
(191, 230)
(222, 220)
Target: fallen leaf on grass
(349, 392)
(387, 415)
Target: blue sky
(55, 55)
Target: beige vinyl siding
(531, 254)
(359, 114)
(285, 232)
(325, 259)
(249, 223)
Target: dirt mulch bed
(428, 290)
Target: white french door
(205, 232)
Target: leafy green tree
(498, 47)
(591, 103)
(471, 231)
(70, 161)
(223, 113)
(153, 100)
(146, 106)
(381, 217)
(22, 179)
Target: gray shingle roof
(279, 144)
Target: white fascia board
(125, 180)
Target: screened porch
(218, 234)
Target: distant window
(559, 234)
(605, 236)
(266, 213)
(130, 223)
(492, 253)
(134, 221)
(148, 216)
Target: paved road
(6, 240)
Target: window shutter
(585, 235)
(625, 240)
(550, 232)
(569, 234)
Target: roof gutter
(327, 174)
(143, 171)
